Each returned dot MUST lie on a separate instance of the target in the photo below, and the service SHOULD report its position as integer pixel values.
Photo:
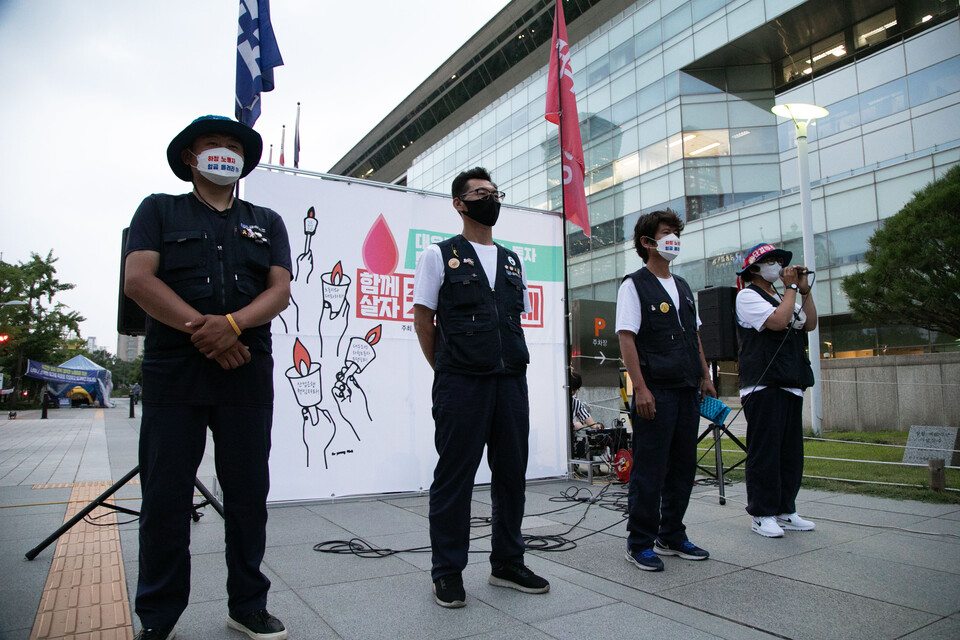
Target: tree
(913, 264)
(39, 328)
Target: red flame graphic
(301, 358)
(311, 213)
(373, 336)
(337, 274)
(380, 253)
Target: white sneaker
(767, 527)
(793, 522)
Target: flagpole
(568, 366)
(296, 141)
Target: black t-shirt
(216, 262)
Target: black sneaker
(517, 576)
(259, 625)
(156, 633)
(645, 559)
(448, 591)
(687, 550)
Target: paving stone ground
(874, 568)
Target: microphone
(800, 271)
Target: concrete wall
(890, 392)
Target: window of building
(703, 8)
(843, 115)
(706, 143)
(753, 140)
(876, 29)
(847, 246)
(647, 40)
(694, 273)
(934, 82)
(676, 21)
(883, 101)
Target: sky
(94, 91)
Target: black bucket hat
(250, 139)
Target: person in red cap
(774, 371)
(211, 271)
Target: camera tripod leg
(719, 453)
(100, 502)
(30, 555)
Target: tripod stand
(717, 473)
(100, 502)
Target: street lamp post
(802, 114)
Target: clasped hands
(214, 337)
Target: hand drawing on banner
(302, 269)
(336, 285)
(304, 378)
(360, 353)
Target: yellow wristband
(233, 324)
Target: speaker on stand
(718, 335)
(131, 319)
(718, 315)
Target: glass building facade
(674, 99)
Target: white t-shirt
(628, 304)
(430, 274)
(752, 313)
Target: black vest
(788, 367)
(668, 347)
(216, 264)
(478, 329)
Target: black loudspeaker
(131, 319)
(718, 315)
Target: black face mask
(485, 211)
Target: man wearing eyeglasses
(476, 290)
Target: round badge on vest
(453, 263)
(664, 307)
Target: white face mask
(220, 166)
(668, 246)
(770, 271)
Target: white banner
(352, 407)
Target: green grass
(849, 468)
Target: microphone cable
(574, 496)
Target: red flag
(283, 136)
(562, 110)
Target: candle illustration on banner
(335, 286)
(304, 377)
(360, 353)
(309, 228)
(380, 253)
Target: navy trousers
(774, 466)
(471, 412)
(172, 440)
(664, 466)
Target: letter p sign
(598, 324)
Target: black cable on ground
(574, 496)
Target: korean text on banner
(562, 110)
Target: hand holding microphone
(797, 275)
(790, 276)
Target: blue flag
(257, 55)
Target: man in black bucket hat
(211, 271)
